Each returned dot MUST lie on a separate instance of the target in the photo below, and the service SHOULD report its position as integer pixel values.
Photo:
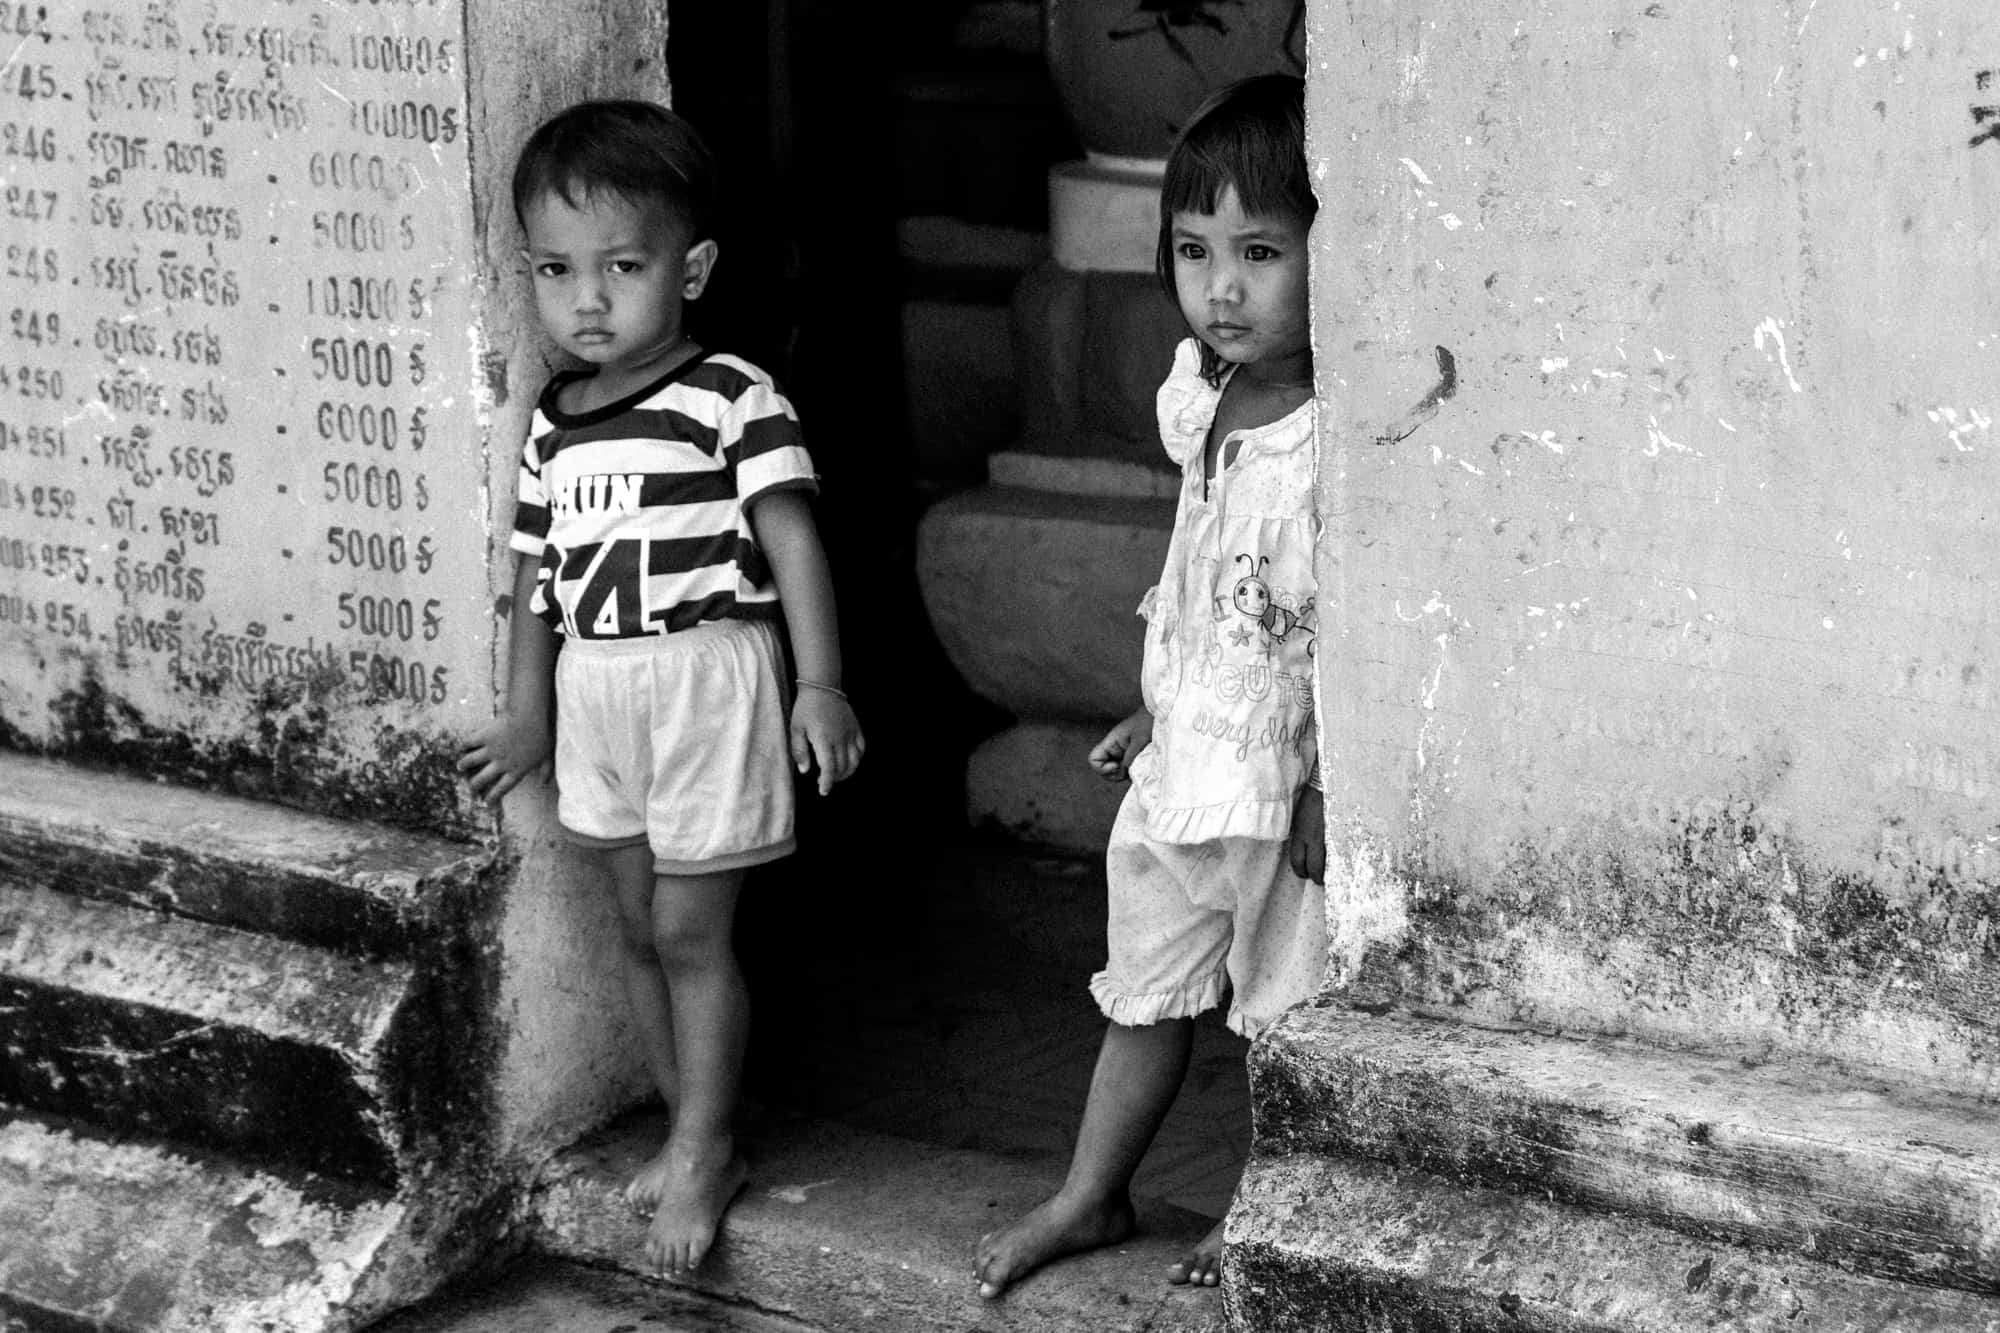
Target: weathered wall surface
(241, 535)
(1662, 345)
(570, 1059)
(266, 364)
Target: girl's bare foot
(690, 1192)
(1055, 1228)
(1203, 1265)
(643, 1191)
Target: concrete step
(245, 1053)
(1105, 217)
(1885, 1181)
(948, 259)
(1032, 781)
(1034, 595)
(851, 1232)
(240, 1042)
(247, 978)
(360, 888)
(141, 1237)
(1093, 349)
(1319, 1244)
(976, 143)
(961, 355)
(1084, 475)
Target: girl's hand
(1306, 847)
(825, 731)
(1112, 757)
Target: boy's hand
(825, 730)
(506, 751)
(1112, 757)
(1306, 847)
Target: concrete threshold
(537, 1294)
(845, 1231)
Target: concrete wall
(1661, 342)
(268, 364)
(242, 538)
(571, 1060)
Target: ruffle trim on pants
(1137, 1011)
(1247, 1027)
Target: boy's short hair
(638, 151)
(1250, 134)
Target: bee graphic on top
(1269, 616)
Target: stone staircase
(1033, 422)
(244, 1059)
(974, 125)
(1411, 1173)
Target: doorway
(887, 189)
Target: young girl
(1215, 860)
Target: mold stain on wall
(308, 743)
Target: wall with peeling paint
(571, 1060)
(252, 233)
(1661, 343)
(241, 542)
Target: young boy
(661, 525)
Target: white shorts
(1191, 922)
(679, 743)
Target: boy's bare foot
(1202, 1267)
(690, 1192)
(1054, 1228)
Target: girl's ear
(700, 265)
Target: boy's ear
(700, 265)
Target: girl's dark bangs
(1270, 189)
(1264, 171)
(1193, 183)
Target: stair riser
(1273, 1292)
(1026, 780)
(1725, 934)
(133, 1236)
(320, 911)
(146, 1070)
(247, 1060)
(355, 888)
(245, 1042)
(18, 1315)
(992, 560)
(1319, 1245)
(1898, 1209)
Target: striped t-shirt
(639, 510)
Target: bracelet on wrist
(822, 687)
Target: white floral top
(1231, 627)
